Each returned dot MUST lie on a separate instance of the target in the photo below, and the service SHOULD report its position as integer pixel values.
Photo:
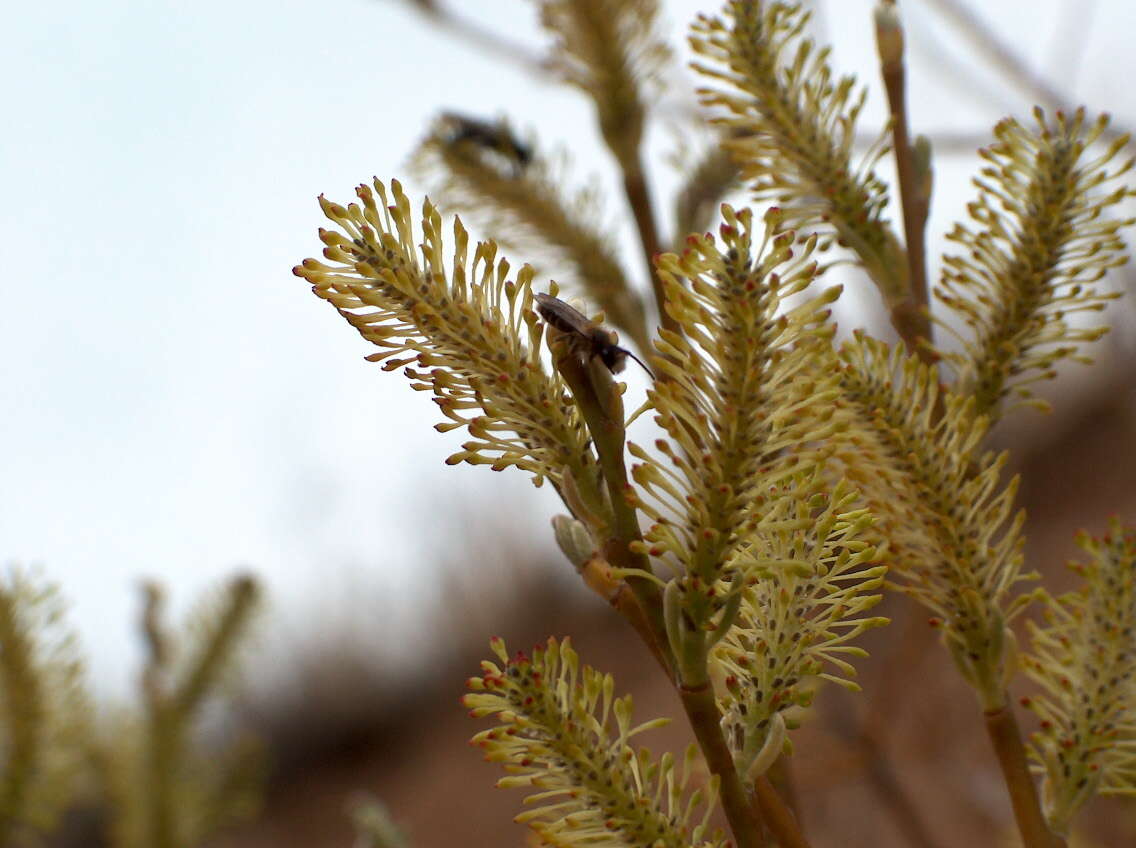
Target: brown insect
(588, 337)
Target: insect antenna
(642, 364)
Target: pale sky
(178, 405)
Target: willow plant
(44, 720)
(142, 768)
(789, 480)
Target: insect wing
(562, 316)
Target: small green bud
(574, 540)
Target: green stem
(598, 400)
(1002, 727)
(705, 720)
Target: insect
(495, 138)
(588, 337)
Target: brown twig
(778, 817)
(593, 388)
(911, 319)
(639, 199)
(705, 720)
(910, 316)
(1002, 727)
(164, 733)
(781, 776)
(596, 397)
(483, 38)
(1001, 55)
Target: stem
(162, 755)
(778, 817)
(186, 698)
(163, 729)
(705, 720)
(1008, 63)
(781, 777)
(1002, 727)
(484, 38)
(909, 316)
(594, 391)
(596, 397)
(639, 199)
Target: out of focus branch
(1001, 56)
(481, 37)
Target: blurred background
(179, 406)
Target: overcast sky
(177, 404)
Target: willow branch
(639, 199)
(1005, 735)
(781, 776)
(778, 817)
(484, 38)
(705, 720)
(909, 316)
(1008, 62)
(164, 731)
(602, 409)
(599, 403)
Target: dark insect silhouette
(587, 337)
(495, 138)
